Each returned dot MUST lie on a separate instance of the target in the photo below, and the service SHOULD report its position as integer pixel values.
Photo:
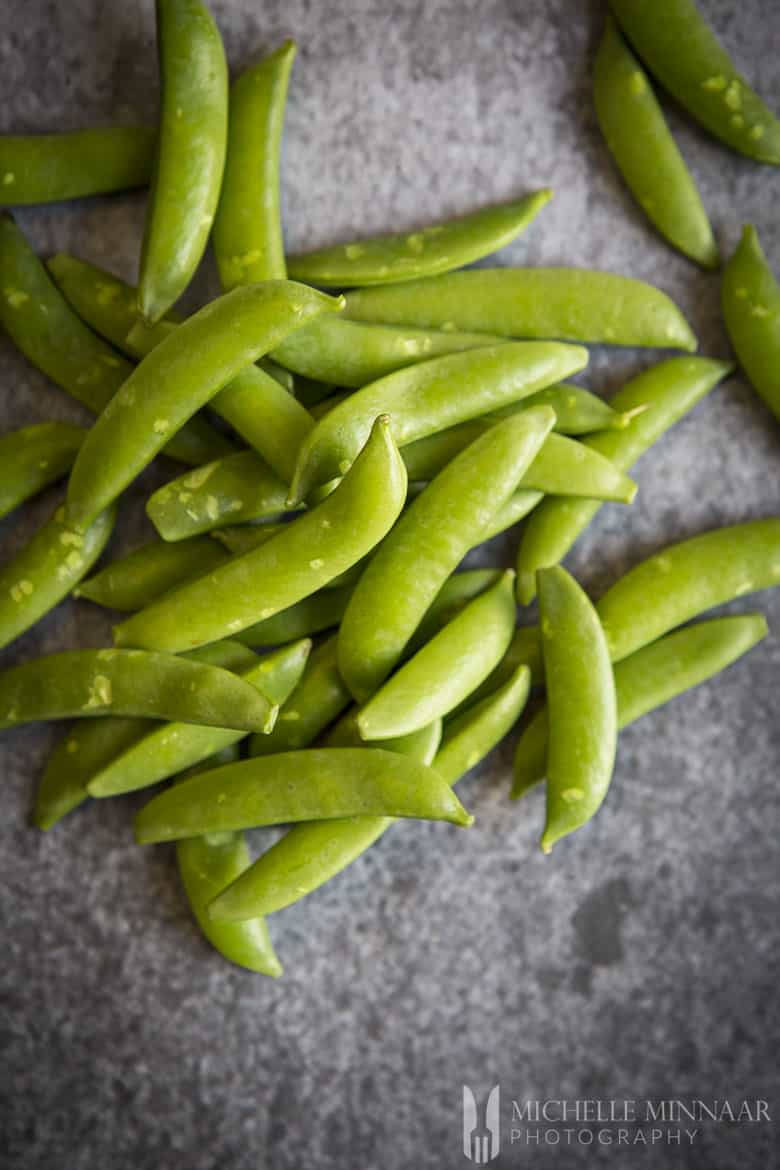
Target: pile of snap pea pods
(301, 645)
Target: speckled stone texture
(641, 959)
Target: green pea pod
(260, 409)
(166, 750)
(48, 168)
(428, 543)
(240, 487)
(582, 705)
(517, 507)
(446, 669)
(145, 574)
(248, 241)
(299, 560)
(680, 49)
(190, 152)
(34, 457)
(308, 855)
(314, 785)
(577, 410)
(46, 570)
(320, 697)
(178, 377)
(40, 322)
(524, 650)
(79, 683)
(245, 537)
(751, 309)
(321, 611)
(354, 353)
(407, 255)
(646, 154)
(651, 404)
(427, 398)
(571, 304)
(650, 677)
(456, 593)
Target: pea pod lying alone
(318, 784)
(48, 168)
(751, 309)
(34, 457)
(427, 252)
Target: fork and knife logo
(481, 1134)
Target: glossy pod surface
(570, 304)
(681, 50)
(190, 152)
(427, 252)
(318, 784)
(145, 574)
(751, 310)
(430, 397)
(650, 677)
(644, 149)
(34, 457)
(310, 551)
(582, 709)
(321, 611)
(79, 683)
(46, 168)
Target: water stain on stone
(598, 924)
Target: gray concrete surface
(641, 959)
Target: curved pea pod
(751, 309)
(245, 537)
(571, 304)
(321, 611)
(166, 750)
(446, 669)
(319, 698)
(46, 570)
(680, 50)
(354, 353)
(48, 168)
(406, 255)
(314, 785)
(646, 154)
(310, 551)
(429, 397)
(524, 650)
(241, 487)
(650, 677)
(34, 457)
(309, 855)
(79, 683)
(247, 235)
(190, 157)
(426, 545)
(650, 404)
(188, 367)
(145, 574)
(456, 592)
(582, 705)
(40, 322)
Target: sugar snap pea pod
(571, 304)
(169, 749)
(517, 507)
(524, 650)
(582, 705)
(46, 569)
(133, 581)
(39, 321)
(319, 698)
(248, 241)
(245, 537)
(456, 592)
(577, 410)
(407, 255)
(239, 487)
(354, 353)
(34, 457)
(179, 376)
(681, 50)
(190, 157)
(427, 544)
(427, 398)
(318, 784)
(310, 551)
(321, 611)
(47, 168)
(650, 677)
(446, 669)
(646, 154)
(751, 309)
(255, 403)
(308, 855)
(77, 683)
(651, 403)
